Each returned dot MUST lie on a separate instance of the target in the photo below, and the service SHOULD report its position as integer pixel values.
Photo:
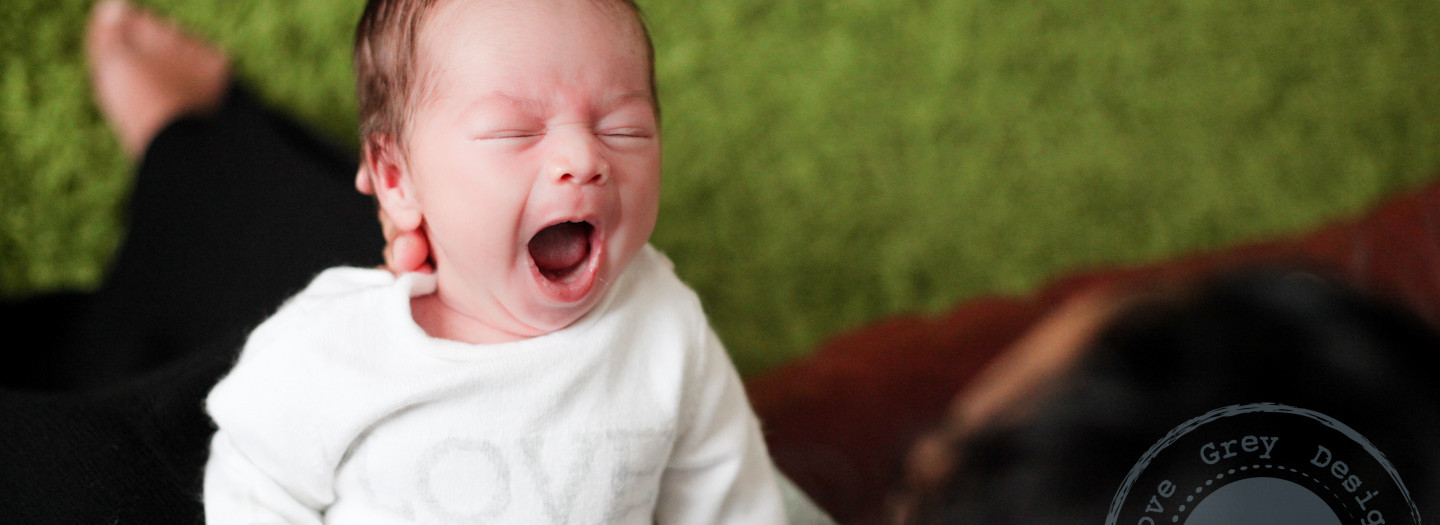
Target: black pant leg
(230, 214)
(130, 452)
(37, 328)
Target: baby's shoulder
(651, 283)
(343, 282)
(339, 305)
(340, 289)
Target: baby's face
(534, 156)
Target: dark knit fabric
(101, 394)
(129, 453)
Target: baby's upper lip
(591, 218)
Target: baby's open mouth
(561, 251)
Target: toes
(146, 71)
(108, 12)
(103, 30)
(117, 22)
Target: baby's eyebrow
(627, 99)
(643, 96)
(527, 104)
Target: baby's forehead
(452, 25)
(451, 22)
(617, 13)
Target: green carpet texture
(832, 162)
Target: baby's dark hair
(1254, 337)
(386, 76)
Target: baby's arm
(268, 462)
(719, 471)
(238, 491)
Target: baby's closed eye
(503, 125)
(510, 134)
(634, 132)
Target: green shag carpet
(831, 162)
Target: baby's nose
(579, 160)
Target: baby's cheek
(641, 193)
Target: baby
(552, 368)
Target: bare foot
(146, 72)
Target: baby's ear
(391, 178)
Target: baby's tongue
(561, 248)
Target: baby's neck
(441, 321)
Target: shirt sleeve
(239, 491)
(269, 461)
(719, 470)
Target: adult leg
(231, 212)
(132, 452)
(40, 322)
(234, 209)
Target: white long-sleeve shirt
(342, 410)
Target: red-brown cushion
(840, 421)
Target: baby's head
(523, 136)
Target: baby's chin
(552, 320)
(545, 312)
